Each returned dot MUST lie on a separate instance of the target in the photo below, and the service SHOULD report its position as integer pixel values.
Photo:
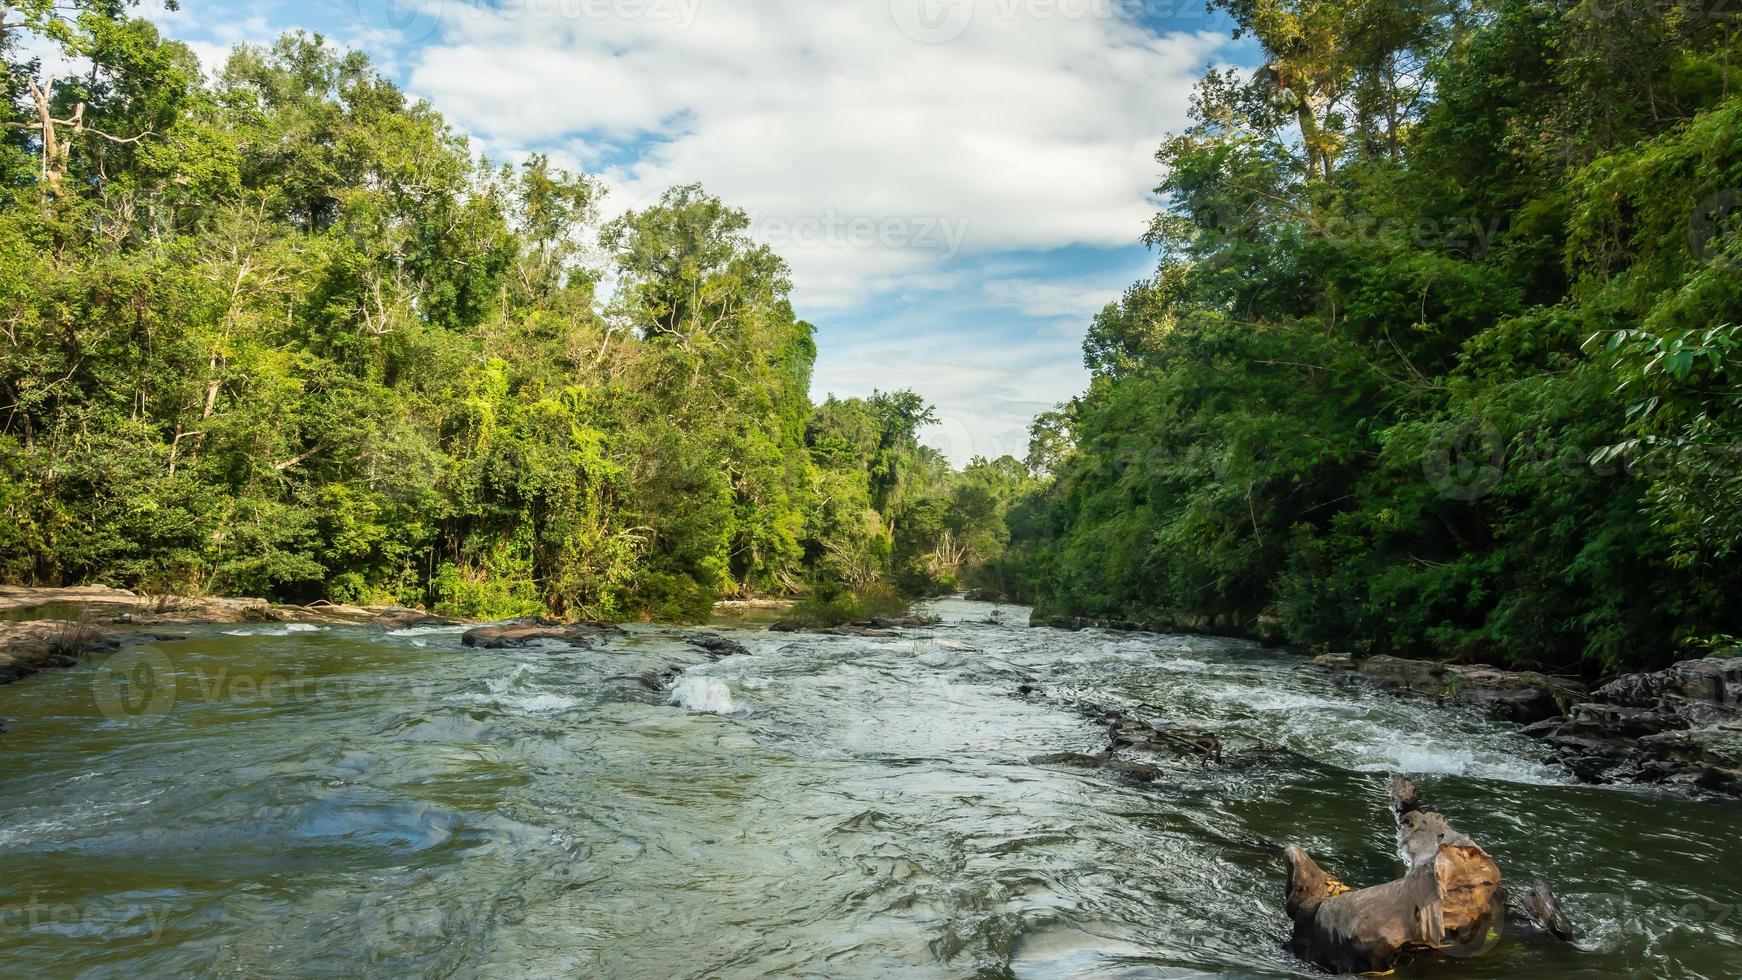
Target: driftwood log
(1449, 902)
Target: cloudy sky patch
(957, 184)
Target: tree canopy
(1440, 357)
(284, 333)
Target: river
(335, 801)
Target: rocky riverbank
(1680, 726)
(1524, 697)
(29, 647)
(42, 628)
(1266, 628)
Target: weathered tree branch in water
(1448, 902)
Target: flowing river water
(296, 801)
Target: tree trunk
(1449, 902)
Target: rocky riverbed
(44, 628)
(959, 798)
(1678, 726)
(1681, 725)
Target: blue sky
(957, 184)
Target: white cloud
(919, 190)
(1073, 300)
(1033, 129)
(986, 388)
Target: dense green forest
(1442, 354)
(1440, 357)
(282, 333)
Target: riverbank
(1678, 726)
(46, 628)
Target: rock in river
(717, 646)
(1680, 724)
(28, 647)
(1521, 696)
(526, 632)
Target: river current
(269, 801)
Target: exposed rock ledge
(100, 602)
(71, 622)
(528, 632)
(1681, 725)
(1521, 696)
(1678, 725)
(28, 647)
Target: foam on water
(531, 704)
(1400, 754)
(284, 630)
(871, 809)
(430, 631)
(705, 694)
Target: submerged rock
(716, 646)
(855, 629)
(660, 680)
(1139, 772)
(878, 627)
(1521, 696)
(901, 623)
(1126, 734)
(526, 632)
